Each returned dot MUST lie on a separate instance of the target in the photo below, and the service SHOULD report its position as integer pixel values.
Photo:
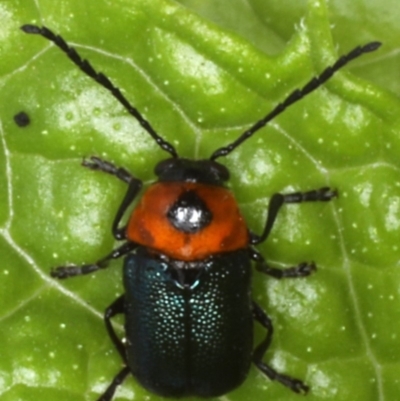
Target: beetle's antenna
(296, 95)
(99, 77)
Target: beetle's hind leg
(118, 379)
(292, 383)
(62, 272)
(117, 307)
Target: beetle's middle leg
(62, 272)
(301, 270)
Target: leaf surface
(202, 75)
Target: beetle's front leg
(95, 163)
(134, 186)
(278, 200)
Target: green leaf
(202, 75)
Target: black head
(186, 170)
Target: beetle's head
(185, 170)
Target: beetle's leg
(134, 186)
(278, 200)
(301, 270)
(95, 163)
(117, 307)
(118, 379)
(295, 385)
(74, 270)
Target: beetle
(188, 259)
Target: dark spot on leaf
(22, 119)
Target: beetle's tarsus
(28, 28)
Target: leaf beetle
(188, 257)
